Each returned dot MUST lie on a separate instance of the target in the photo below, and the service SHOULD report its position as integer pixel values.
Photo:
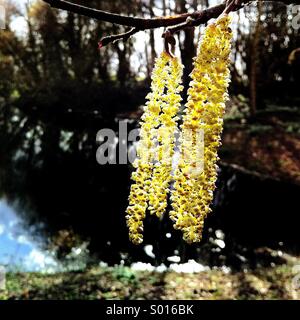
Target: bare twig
(169, 42)
(231, 5)
(140, 23)
(178, 22)
(113, 38)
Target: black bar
(142, 309)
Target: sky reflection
(17, 250)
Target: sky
(19, 24)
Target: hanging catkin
(193, 188)
(161, 178)
(155, 148)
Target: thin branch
(139, 23)
(231, 5)
(116, 37)
(200, 17)
(178, 22)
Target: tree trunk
(254, 63)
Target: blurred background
(60, 211)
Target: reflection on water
(18, 251)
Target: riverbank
(124, 283)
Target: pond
(228, 241)
(18, 251)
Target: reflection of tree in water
(54, 172)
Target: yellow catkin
(153, 166)
(166, 139)
(193, 188)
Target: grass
(124, 283)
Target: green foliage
(257, 129)
(124, 274)
(238, 108)
(292, 127)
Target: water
(229, 240)
(18, 251)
